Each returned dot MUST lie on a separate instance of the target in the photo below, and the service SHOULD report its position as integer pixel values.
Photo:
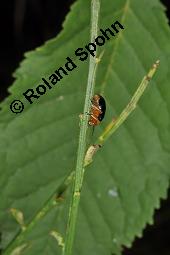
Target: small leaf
(18, 215)
(58, 237)
(19, 250)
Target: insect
(97, 111)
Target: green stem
(51, 203)
(79, 172)
(115, 124)
(19, 240)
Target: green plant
(129, 175)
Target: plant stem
(52, 202)
(115, 124)
(79, 172)
(19, 240)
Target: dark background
(26, 24)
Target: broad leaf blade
(130, 173)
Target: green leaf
(130, 174)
